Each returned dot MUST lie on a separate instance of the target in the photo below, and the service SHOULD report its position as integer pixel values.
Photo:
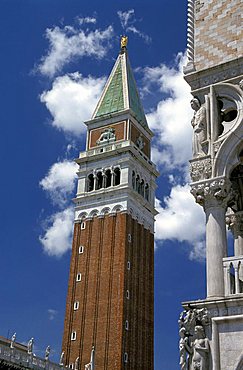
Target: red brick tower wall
(102, 295)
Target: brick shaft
(102, 292)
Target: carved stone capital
(216, 192)
(200, 169)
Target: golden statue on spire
(124, 41)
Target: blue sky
(55, 57)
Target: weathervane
(124, 41)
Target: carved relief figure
(199, 127)
(184, 348)
(200, 348)
(107, 136)
(140, 142)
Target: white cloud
(170, 121)
(182, 220)
(68, 43)
(127, 19)
(52, 313)
(59, 182)
(85, 20)
(58, 232)
(72, 100)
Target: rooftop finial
(124, 41)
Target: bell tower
(211, 329)
(109, 310)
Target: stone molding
(216, 192)
(200, 169)
(210, 76)
(112, 211)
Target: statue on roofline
(124, 41)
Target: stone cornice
(223, 72)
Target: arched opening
(146, 192)
(227, 112)
(117, 176)
(99, 181)
(236, 178)
(107, 179)
(138, 183)
(90, 182)
(133, 179)
(142, 188)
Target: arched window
(133, 180)
(141, 190)
(117, 176)
(107, 179)
(137, 183)
(147, 192)
(99, 180)
(90, 182)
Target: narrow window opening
(76, 305)
(90, 182)
(73, 335)
(82, 225)
(79, 277)
(127, 294)
(126, 357)
(70, 366)
(81, 249)
(99, 181)
(127, 325)
(147, 192)
(117, 176)
(141, 190)
(128, 265)
(107, 178)
(138, 183)
(129, 238)
(133, 180)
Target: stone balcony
(115, 146)
(233, 275)
(13, 358)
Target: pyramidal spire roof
(120, 92)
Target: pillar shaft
(216, 246)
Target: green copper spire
(120, 92)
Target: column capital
(212, 193)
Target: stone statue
(76, 365)
(107, 136)
(13, 340)
(124, 41)
(91, 364)
(200, 350)
(241, 84)
(30, 346)
(199, 128)
(140, 142)
(47, 353)
(61, 359)
(184, 348)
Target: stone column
(213, 196)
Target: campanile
(109, 310)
